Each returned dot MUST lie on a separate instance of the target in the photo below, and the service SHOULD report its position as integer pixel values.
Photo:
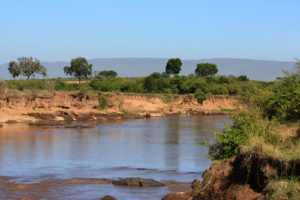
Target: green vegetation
(279, 105)
(79, 68)
(107, 74)
(27, 67)
(246, 125)
(206, 69)
(102, 101)
(284, 189)
(173, 66)
(156, 83)
(258, 131)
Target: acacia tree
(206, 69)
(79, 68)
(27, 67)
(173, 66)
(107, 74)
(14, 69)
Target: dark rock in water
(108, 197)
(138, 182)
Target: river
(46, 162)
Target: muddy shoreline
(42, 189)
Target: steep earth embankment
(243, 177)
(65, 107)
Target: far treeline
(282, 94)
(201, 83)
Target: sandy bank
(63, 107)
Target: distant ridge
(136, 67)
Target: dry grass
(285, 151)
(284, 189)
(81, 82)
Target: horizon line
(265, 60)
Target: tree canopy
(243, 78)
(79, 68)
(206, 69)
(14, 69)
(27, 67)
(173, 66)
(107, 74)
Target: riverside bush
(245, 125)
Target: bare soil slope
(64, 107)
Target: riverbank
(74, 107)
(260, 170)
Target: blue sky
(58, 30)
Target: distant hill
(135, 67)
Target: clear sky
(58, 30)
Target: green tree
(14, 69)
(243, 78)
(150, 83)
(107, 74)
(173, 66)
(206, 69)
(27, 67)
(79, 68)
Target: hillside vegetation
(266, 138)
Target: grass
(283, 151)
(284, 179)
(284, 189)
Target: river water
(37, 162)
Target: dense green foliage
(107, 74)
(27, 67)
(173, 66)
(245, 125)
(206, 69)
(284, 102)
(14, 69)
(243, 78)
(278, 102)
(201, 87)
(79, 68)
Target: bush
(284, 104)
(102, 101)
(243, 78)
(200, 95)
(59, 85)
(245, 125)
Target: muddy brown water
(48, 162)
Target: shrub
(200, 95)
(59, 85)
(102, 101)
(284, 104)
(243, 78)
(245, 125)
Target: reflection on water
(166, 147)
